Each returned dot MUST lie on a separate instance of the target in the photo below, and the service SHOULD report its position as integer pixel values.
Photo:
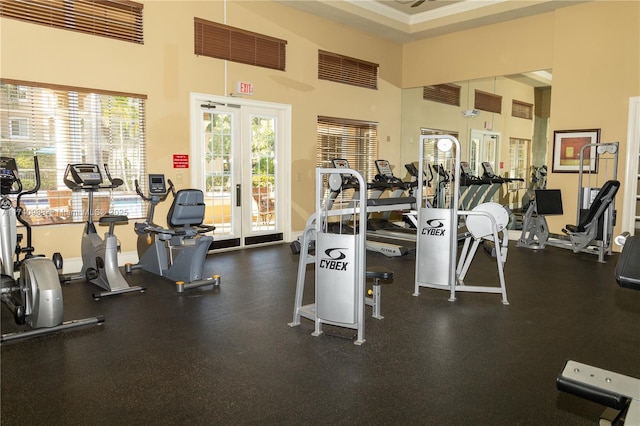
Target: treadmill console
(157, 184)
(340, 163)
(465, 168)
(488, 170)
(384, 168)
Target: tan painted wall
(596, 68)
(167, 71)
(418, 113)
(501, 49)
(593, 49)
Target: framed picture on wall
(567, 145)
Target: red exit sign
(245, 88)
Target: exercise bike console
(157, 185)
(86, 174)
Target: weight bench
(586, 231)
(618, 392)
(377, 274)
(628, 266)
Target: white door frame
(631, 178)
(496, 167)
(284, 157)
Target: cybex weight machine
(340, 257)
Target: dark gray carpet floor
(227, 355)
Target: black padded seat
(112, 218)
(600, 203)
(378, 273)
(628, 266)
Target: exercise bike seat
(111, 218)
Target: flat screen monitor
(548, 202)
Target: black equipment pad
(592, 393)
(628, 266)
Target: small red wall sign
(180, 161)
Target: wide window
(64, 125)
(353, 140)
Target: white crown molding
(452, 9)
(429, 15)
(382, 10)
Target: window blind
(63, 125)
(353, 140)
(343, 69)
(238, 45)
(522, 109)
(488, 102)
(118, 19)
(444, 93)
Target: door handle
(238, 194)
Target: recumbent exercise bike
(178, 252)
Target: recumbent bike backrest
(187, 208)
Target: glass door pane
(218, 160)
(263, 173)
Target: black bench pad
(379, 272)
(628, 266)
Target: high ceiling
(404, 21)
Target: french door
(237, 150)
(483, 147)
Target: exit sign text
(245, 88)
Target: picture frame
(566, 150)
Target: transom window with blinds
(353, 140)
(66, 125)
(488, 102)
(521, 109)
(343, 69)
(238, 45)
(118, 19)
(444, 93)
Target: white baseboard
(74, 265)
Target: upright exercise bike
(99, 256)
(39, 301)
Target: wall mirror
(502, 120)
